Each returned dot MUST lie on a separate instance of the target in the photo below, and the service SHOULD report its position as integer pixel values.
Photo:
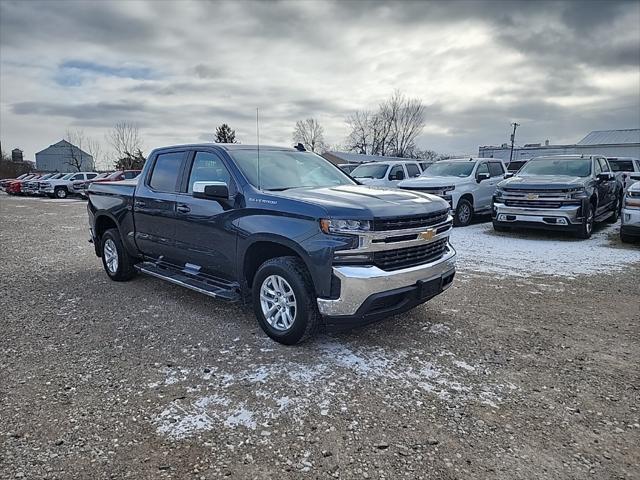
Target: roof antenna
(258, 142)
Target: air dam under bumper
(368, 293)
(568, 216)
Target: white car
(624, 168)
(467, 184)
(386, 174)
(63, 187)
(630, 220)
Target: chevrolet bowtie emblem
(531, 196)
(427, 235)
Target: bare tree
(77, 158)
(125, 139)
(94, 148)
(391, 131)
(311, 134)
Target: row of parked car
(566, 192)
(61, 185)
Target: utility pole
(513, 139)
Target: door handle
(183, 208)
(139, 203)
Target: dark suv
(567, 192)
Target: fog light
(561, 221)
(502, 218)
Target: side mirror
(604, 176)
(482, 176)
(397, 176)
(508, 175)
(211, 190)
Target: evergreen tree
(224, 134)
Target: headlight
(498, 193)
(632, 200)
(344, 226)
(580, 194)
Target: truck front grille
(404, 223)
(533, 203)
(410, 256)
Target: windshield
(621, 165)
(68, 176)
(57, 176)
(370, 170)
(449, 169)
(555, 166)
(282, 169)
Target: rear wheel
(586, 229)
(464, 213)
(61, 192)
(284, 301)
(116, 261)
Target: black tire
(625, 238)
(501, 228)
(586, 228)
(464, 213)
(124, 270)
(61, 192)
(306, 320)
(616, 210)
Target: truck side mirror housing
(211, 190)
(508, 175)
(604, 176)
(482, 176)
(397, 176)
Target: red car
(14, 187)
(6, 181)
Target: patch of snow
(526, 253)
(465, 365)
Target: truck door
(204, 232)
(608, 186)
(484, 189)
(154, 207)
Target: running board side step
(210, 287)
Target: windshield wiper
(279, 189)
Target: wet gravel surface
(500, 377)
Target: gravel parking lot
(526, 368)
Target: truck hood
(361, 202)
(433, 182)
(551, 182)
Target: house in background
(63, 157)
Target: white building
(609, 143)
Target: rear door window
(166, 172)
(91, 175)
(413, 170)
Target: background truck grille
(403, 223)
(533, 203)
(410, 256)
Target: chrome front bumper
(630, 217)
(567, 215)
(357, 283)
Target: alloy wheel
(110, 256)
(278, 302)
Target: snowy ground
(530, 252)
(525, 368)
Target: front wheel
(464, 213)
(586, 229)
(116, 261)
(61, 192)
(284, 301)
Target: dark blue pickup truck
(282, 228)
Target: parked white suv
(630, 218)
(624, 168)
(386, 174)
(466, 183)
(62, 187)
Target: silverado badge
(531, 196)
(428, 234)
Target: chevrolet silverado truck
(630, 221)
(282, 229)
(65, 186)
(563, 192)
(466, 183)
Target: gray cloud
(560, 68)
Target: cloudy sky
(179, 69)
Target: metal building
(609, 143)
(62, 157)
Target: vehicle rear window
(165, 172)
(621, 165)
(412, 170)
